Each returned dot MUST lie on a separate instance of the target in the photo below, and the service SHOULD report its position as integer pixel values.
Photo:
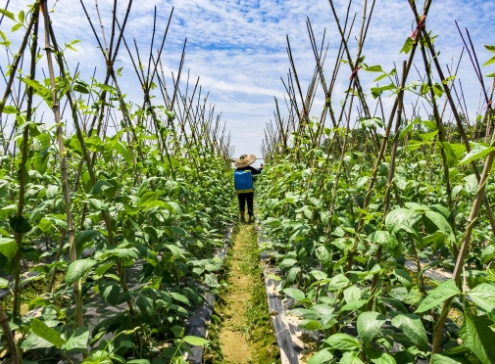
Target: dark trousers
(243, 198)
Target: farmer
(244, 164)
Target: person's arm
(254, 170)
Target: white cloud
(238, 47)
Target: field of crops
(378, 220)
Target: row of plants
(361, 201)
(121, 226)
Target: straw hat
(245, 160)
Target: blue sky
(237, 47)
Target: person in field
(243, 180)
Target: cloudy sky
(238, 47)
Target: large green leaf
(78, 341)
(46, 333)
(413, 328)
(352, 294)
(20, 224)
(385, 239)
(3, 283)
(195, 340)
(379, 357)
(84, 237)
(110, 290)
(77, 269)
(351, 358)
(484, 296)
(441, 359)
(404, 278)
(369, 325)
(441, 223)
(33, 341)
(294, 293)
(8, 248)
(402, 219)
(439, 295)
(480, 338)
(477, 151)
(340, 281)
(101, 186)
(343, 342)
(321, 357)
(145, 305)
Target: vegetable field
(376, 210)
(361, 204)
(115, 207)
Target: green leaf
(78, 341)
(426, 137)
(477, 151)
(20, 224)
(138, 361)
(491, 48)
(180, 298)
(9, 109)
(294, 293)
(98, 204)
(8, 248)
(310, 325)
(379, 357)
(371, 122)
(484, 296)
(406, 48)
(33, 341)
(488, 254)
(441, 223)
(402, 219)
(439, 295)
(376, 68)
(404, 278)
(441, 359)
(110, 291)
(82, 238)
(343, 342)
(351, 358)
(321, 357)
(78, 269)
(46, 333)
(145, 305)
(195, 340)
(287, 262)
(353, 306)
(4, 283)
(385, 239)
(480, 337)
(16, 27)
(369, 325)
(45, 224)
(121, 253)
(8, 14)
(377, 91)
(413, 328)
(177, 230)
(490, 61)
(340, 281)
(21, 16)
(101, 186)
(352, 294)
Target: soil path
(234, 345)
